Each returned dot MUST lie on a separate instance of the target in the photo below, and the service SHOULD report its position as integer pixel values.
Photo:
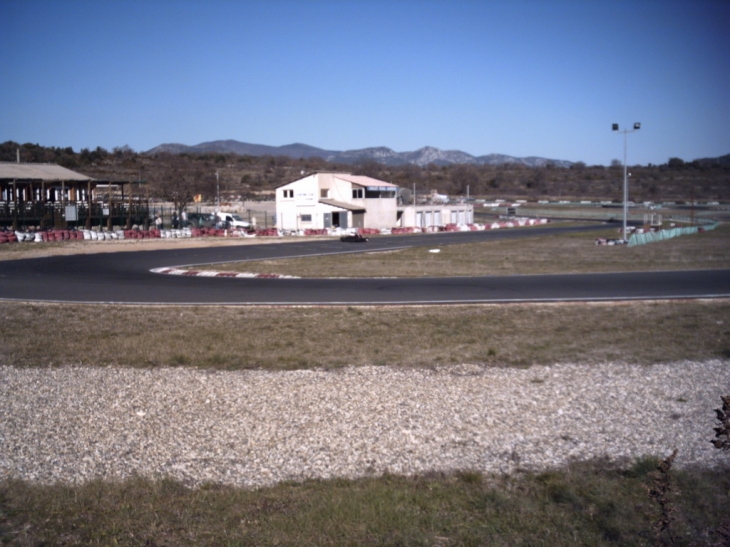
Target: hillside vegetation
(255, 177)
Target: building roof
(39, 171)
(358, 180)
(342, 205)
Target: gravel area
(254, 428)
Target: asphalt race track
(125, 278)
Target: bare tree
(179, 181)
(463, 175)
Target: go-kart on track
(126, 278)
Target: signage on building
(304, 195)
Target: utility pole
(467, 204)
(217, 194)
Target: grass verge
(42, 335)
(564, 253)
(586, 504)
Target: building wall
(294, 200)
(424, 216)
(381, 213)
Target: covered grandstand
(51, 196)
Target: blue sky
(521, 77)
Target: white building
(434, 215)
(324, 200)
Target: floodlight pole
(637, 126)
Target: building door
(358, 220)
(340, 219)
(328, 220)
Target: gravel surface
(254, 428)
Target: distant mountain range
(381, 154)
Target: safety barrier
(643, 237)
(139, 234)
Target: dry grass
(567, 253)
(42, 335)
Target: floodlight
(637, 126)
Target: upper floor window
(324, 193)
(358, 193)
(289, 193)
(374, 194)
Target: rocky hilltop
(381, 154)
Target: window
(358, 193)
(324, 193)
(374, 194)
(288, 193)
(306, 218)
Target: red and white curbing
(211, 273)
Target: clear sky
(518, 77)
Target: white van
(231, 220)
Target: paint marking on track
(211, 273)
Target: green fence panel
(651, 237)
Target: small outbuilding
(327, 199)
(434, 215)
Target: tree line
(180, 177)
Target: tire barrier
(603, 241)
(15, 236)
(315, 232)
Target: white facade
(325, 200)
(428, 216)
